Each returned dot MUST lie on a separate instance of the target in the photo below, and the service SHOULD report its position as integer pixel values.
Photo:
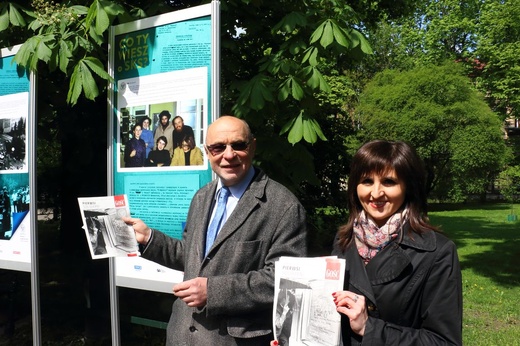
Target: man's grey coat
(268, 222)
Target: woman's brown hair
(378, 157)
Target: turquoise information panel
(15, 235)
(14, 79)
(161, 72)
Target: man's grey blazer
(268, 222)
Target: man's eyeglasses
(217, 149)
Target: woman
(135, 149)
(159, 157)
(187, 154)
(403, 281)
(147, 135)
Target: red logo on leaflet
(333, 270)
(119, 201)
(16, 252)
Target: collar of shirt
(236, 192)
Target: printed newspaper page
(304, 312)
(107, 235)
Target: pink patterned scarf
(370, 238)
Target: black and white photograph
(14, 203)
(13, 144)
(288, 309)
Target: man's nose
(229, 153)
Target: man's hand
(142, 232)
(193, 292)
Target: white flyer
(107, 234)
(304, 312)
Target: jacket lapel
(244, 208)
(202, 221)
(393, 259)
(387, 265)
(358, 278)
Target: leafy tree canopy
(509, 182)
(499, 53)
(481, 34)
(435, 109)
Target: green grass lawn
(489, 252)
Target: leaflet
(304, 312)
(107, 235)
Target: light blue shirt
(236, 193)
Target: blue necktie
(217, 219)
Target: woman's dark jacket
(413, 292)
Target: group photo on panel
(162, 140)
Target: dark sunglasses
(217, 149)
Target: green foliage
(448, 29)
(10, 13)
(324, 222)
(35, 48)
(435, 109)
(68, 38)
(513, 142)
(509, 183)
(305, 37)
(101, 13)
(436, 31)
(483, 35)
(304, 127)
(81, 79)
(276, 75)
(499, 51)
(331, 158)
(373, 12)
(330, 32)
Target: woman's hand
(353, 306)
(142, 231)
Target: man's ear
(252, 146)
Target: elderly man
(227, 296)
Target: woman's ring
(356, 297)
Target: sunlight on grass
(489, 249)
